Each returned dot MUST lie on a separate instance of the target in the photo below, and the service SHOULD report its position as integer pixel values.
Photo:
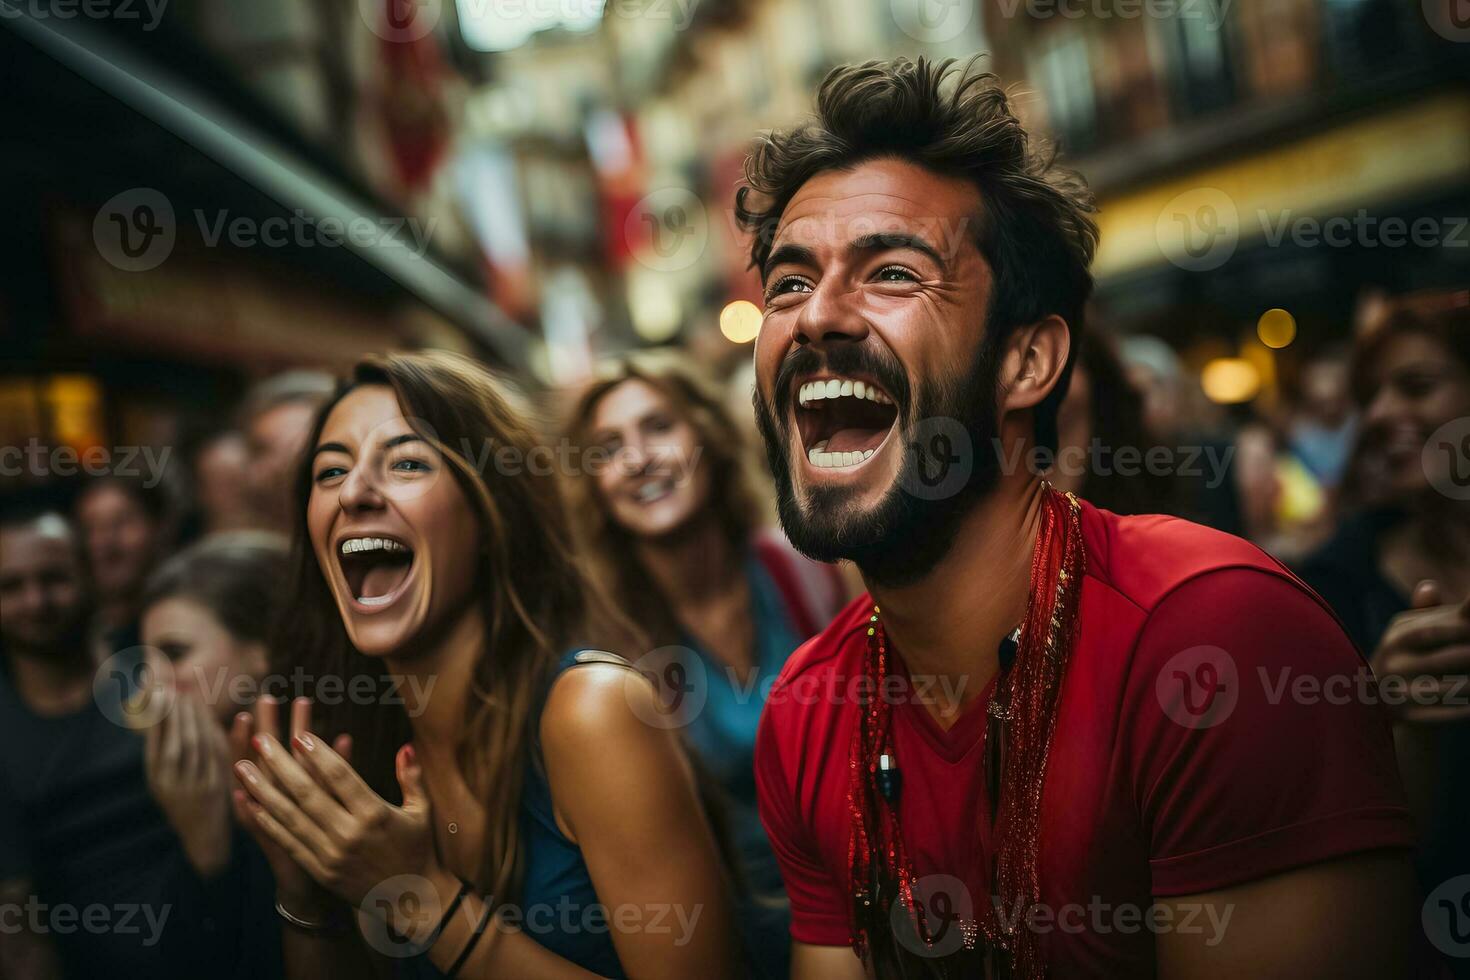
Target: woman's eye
(330, 473)
(410, 466)
(660, 424)
(788, 284)
(896, 273)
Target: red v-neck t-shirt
(1212, 730)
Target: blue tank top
(558, 907)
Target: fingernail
(243, 717)
(262, 745)
(246, 771)
(306, 741)
(409, 755)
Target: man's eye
(896, 273)
(788, 284)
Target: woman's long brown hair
(527, 583)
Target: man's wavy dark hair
(1035, 229)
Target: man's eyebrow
(798, 254)
(883, 241)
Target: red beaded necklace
(1022, 719)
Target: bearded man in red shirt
(1052, 740)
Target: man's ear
(1035, 356)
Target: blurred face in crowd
(1326, 392)
(42, 597)
(221, 478)
(875, 307)
(276, 439)
(652, 484)
(395, 536)
(207, 658)
(121, 540)
(1417, 387)
(1161, 401)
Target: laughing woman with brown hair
(515, 816)
(667, 515)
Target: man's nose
(831, 313)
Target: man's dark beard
(905, 535)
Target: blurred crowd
(1359, 480)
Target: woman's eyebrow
(329, 447)
(400, 440)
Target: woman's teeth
(353, 546)
(826, 460)
(652, 491)
(839, 388)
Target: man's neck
(53, 683)
(438, 678)
(692, 565)
(949, 624)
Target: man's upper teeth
(813, 391)
(354, 545)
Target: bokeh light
(1276, 328)
(740, 321)
(1230, 380)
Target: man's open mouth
(376, 568)
(842, 420)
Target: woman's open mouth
(377, 569)
(842, 421)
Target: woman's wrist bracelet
(331, 927)
(464, 889)
(453, 972)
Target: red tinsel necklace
(1022, 717)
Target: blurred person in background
(276, 418)
(1324, 426)
(518, 773)
(1398, 572)
(221, 481)
(209, 611)
(127, 527)
(1104, 412)
(669, 521)
(79, 830)
(1171, 418)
